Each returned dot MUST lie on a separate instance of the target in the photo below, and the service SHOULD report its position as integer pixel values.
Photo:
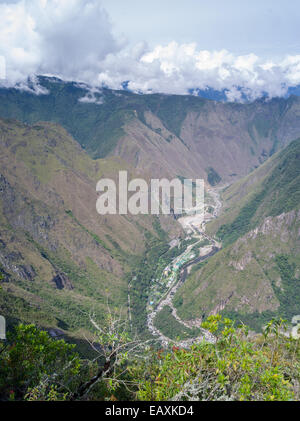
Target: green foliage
(172, 110)
(235, 368)
(96, 126)
(243, 223)
(289, 292)
(287, 270)
(170, 327)
(30, 357)
(158, 229)
(17, 309)
(197, 267)
(255, 320)
(145, 270)
(213, 177)
(279, 193)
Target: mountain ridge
(231, 138)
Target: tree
(115, 350)
(236, 367)
(33, 358)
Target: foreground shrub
(238, 367)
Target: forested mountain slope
(257, 274)
(166, 134)
(60, 259)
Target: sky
(170, 46)
(265, 27)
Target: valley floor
(174, 275)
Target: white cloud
(176, 68)
(2, 67)
(93, 95)
(74, 40)
(64, 37)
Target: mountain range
(60, 260)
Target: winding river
(198, 233)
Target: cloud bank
(64, 37)
(74, 40)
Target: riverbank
(176, 272)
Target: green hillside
(256, 275)
(59, 259)
(278, 193)
(96, 126)
(176, 134)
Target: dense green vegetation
(140, 279)
(255, 320)
(172, 109)
(98, 125)
(242, 223)
(17, 309)
(237, 367)
(171, 328)
(280, 193)
(146, 269)
(93, 125)
(197, 267)
(288, 293)
(213, 177)
(31, 357)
